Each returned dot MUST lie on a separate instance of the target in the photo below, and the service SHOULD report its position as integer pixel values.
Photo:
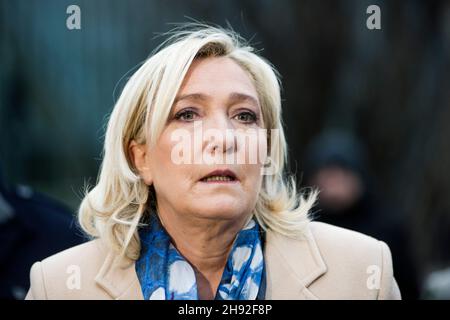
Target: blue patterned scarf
(164, 274)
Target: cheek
(164, 170)
(253, 178)
(254, 171)
(160, 157)
(253, 187)
(252, 146)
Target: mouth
(220, 176)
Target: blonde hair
(114, 208)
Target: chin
(221, 210)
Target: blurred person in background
(337, 164)
(32, 226)
(436, 285)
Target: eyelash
(182, 113)
(252, 115)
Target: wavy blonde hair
(120, 200)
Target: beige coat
(331, 263)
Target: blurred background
(367, 116)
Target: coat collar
(291, 267)
(119, 279)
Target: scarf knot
(164, 274)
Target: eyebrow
(240, 97)
(233, 97)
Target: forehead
(215, 76)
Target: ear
(138, 154)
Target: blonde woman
(171, 219)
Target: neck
(205, 243)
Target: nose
(219, 135)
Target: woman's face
(218, 96)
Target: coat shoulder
(345, 249)
(64, 274)
(91, 249)
(91, 253)
(343, 241)
(357, 261)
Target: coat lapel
(119, 279)
(291, 267)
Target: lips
(220, 176)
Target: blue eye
(186, 115)
(246, 117)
